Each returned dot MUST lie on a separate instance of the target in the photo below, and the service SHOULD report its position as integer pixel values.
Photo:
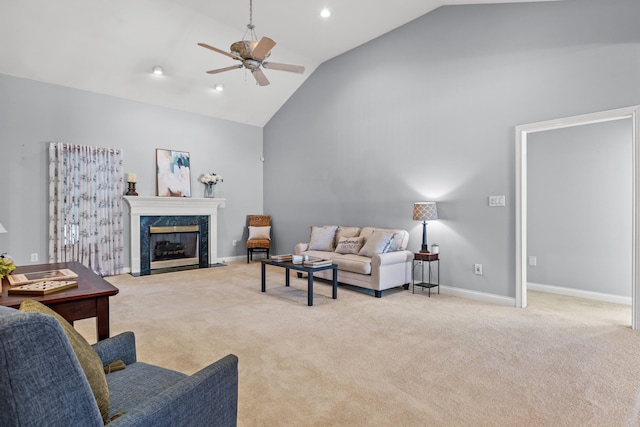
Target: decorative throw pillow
(349, 245)
(89, 360)
(377, 243)
(263, 233)
(322, 238)
(346, 232)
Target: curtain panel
(85, 207)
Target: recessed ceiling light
(325, 13)
(158, 70)
(219, 87)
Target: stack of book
(317, 262)
(282, 258)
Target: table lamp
(424, 211)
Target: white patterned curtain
(85, 207)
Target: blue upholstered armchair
(43, 384)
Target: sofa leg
(378, 294)
(299, 275)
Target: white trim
(522, 132)
(478, 296)
(598, 296)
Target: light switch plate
(497, 200)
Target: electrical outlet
(477, 269)
(234, 242)
(533, 260)
(34, 257)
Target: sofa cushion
(398, 242)
(353, 263)
(87, 356)
(259, 233)
(377, 243)
(322, 254)
(346, 232)
(322, 238)
(349, 245)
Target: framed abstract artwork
(173, 173)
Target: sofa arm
(122, 346)
(388, 258)
(300, 247)
(207, 398)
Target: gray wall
(428, 111)
(33, 113)
(579, 196)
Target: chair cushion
(137, 383)
(87, 356)
(259, 233)
(258, 244)
(350, 245)
(377, 243)
(322, 238)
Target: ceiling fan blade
(215, 49)
(260, 77)
(221, 70)
(263, 48)
(283, 67)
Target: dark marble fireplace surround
(202, 221)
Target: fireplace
(174, 246)
(174, 241)
(149, 211)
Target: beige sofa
(368, 257)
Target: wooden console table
(89, 299)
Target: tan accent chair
(258, 245)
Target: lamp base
(424, 249)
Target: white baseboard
(479, 296)
(617, 299)
(226, 259)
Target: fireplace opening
(174, 246)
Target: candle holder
(132, 189)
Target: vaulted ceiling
(110, 47)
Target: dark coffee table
(89, 299)
(301, 268)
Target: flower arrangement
(211, 179)
(6, 266)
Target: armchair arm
(122, 346)
(207, 398)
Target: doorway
(522, 132)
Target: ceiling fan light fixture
(325, 13)
(158, 70)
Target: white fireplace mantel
(172, 206)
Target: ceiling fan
(252, 54)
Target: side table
(421, 258)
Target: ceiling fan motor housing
(244, 49)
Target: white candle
(132, 177)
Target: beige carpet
(402, 360)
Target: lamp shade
(425, 211)
(2, 229)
